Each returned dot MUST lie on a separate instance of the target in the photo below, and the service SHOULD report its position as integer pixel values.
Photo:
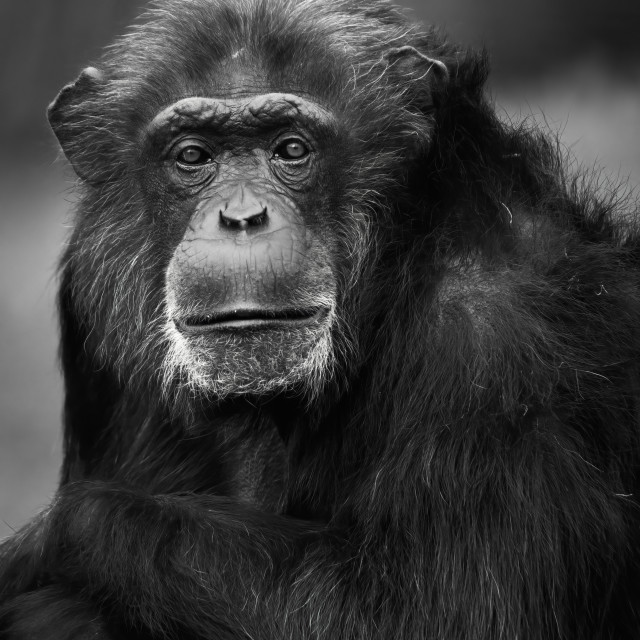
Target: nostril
(241, 219)
(258, 219)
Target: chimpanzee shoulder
(346, 354)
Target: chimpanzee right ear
(68, 119)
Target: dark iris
(194, 156)
(292, 150)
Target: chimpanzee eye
(194, 155)
(292, 149)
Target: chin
(251, 358)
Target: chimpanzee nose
(240, 218)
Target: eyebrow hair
(266, 110)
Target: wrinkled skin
(345, 356)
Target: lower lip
(249, 323)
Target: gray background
(576, 61)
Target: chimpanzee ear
(67, 118)
(424, 76)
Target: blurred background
(574, 64)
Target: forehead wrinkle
(267, 109)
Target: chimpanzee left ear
(68, 120)
(425, 75)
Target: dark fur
(470, 472)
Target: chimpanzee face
(250, 287)
(227, 228)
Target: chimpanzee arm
(32, 605)
(197, 565)
(206, 567)
(54, 613)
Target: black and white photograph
(319, 320)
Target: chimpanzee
(346, 356)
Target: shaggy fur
(468, 464)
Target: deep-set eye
(194, 155)
(292, 149)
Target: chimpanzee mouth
(250, 319)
